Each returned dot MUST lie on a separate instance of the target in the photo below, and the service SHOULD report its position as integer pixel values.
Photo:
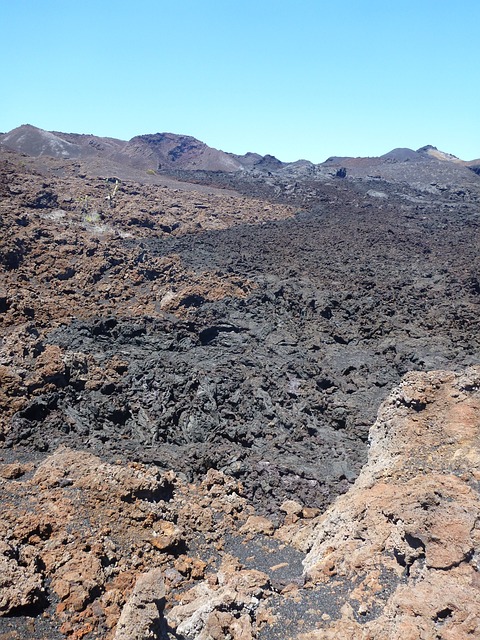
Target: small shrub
(93, 217)
(82, 204)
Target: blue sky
(305, 79)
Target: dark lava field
(361, 280)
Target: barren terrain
(191, 364)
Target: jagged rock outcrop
(142, 616)
(21, 585)
(225, 606)
(95, 548)
(404, 540)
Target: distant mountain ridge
(158, 151)
(171, 152)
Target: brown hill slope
(36, 142)
(166, 151)
(160, 151)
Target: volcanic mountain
(168, 152)
(160, 151)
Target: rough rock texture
(20, 584)
(259, 343)
(407, 534)
(190, 364)
(94, 549)
(79, 534)
(142, 615)
(225, 606)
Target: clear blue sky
(304, 79)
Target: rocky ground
(189, 372)
(91, 549)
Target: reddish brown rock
(91, 530)
(412, 515)
(77, 581)
(165, 535)
(257, 524)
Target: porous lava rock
(406, 536)
(92, 549)
(142, 615)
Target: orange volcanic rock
(92, 529)
(142, 614)
(224, 607)
(406, 536)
